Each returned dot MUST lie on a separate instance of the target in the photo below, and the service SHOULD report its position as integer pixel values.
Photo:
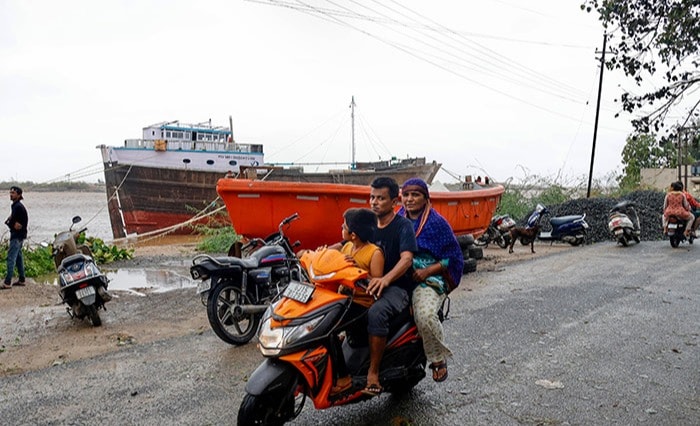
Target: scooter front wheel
(268, 409)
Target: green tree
(644, 151)
(654, 38)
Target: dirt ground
(36, 332)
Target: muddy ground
(36, 332)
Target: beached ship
(169, 175)
(256, 208)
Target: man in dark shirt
(397, 239)
(17, 222)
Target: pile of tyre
(470, 251)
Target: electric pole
(597, 113)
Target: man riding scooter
(695, 209)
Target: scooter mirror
(76, 219)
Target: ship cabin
(173, 135)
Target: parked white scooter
(82, 286)
(623, 222)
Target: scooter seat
(622, 205)
(78, 257)
(556, 221)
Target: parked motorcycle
(498, 232)
(300, 338)
(237, 289)
(623, 222)
(81, 284)
(676, 231)
(572, 229)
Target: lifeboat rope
(158, 233)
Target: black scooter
(572, 229)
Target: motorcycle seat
(565, 219)
(254, 260)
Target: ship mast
(352, 120)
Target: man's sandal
(5, 287)
(373, 389)
(437, 368)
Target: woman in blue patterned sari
(437, 268)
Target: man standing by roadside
(17, 222)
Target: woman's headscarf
(434, 234)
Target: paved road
(592, 335)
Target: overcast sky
(503, 88)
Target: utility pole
(597, 113)
(352, 120)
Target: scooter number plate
(619, 231)
(672, 226)
(299, 292)
(85, 292)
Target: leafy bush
(37, 261)
(103, 253)
(217, 239)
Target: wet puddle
(156, 280)
(137, 280)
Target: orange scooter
(313, 335)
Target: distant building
(661, 178)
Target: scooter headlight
(274, 340)
(270, 338)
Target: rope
(115, 194)
(158, 233)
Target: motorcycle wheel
(94, 315)
(623, 241)
(232, 328)
(503, 241)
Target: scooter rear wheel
(675, 241)
(94, 315)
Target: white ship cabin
(176, 136)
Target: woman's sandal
(437, 368)
(373, 389)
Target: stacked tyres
(470, 251)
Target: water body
(51, 212)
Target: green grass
(39, 260)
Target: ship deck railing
(193, 145)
